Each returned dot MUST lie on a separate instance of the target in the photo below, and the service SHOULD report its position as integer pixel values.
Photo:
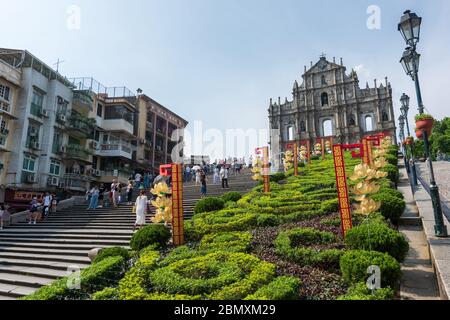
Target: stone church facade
(330, 104)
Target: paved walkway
(418, 280)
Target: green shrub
(267, 220)
(392, 192)
(354, 265)
(335, 222)
(227, 241)
(155, 234)
(105, 273)
(361, 292)
(393, 150)
(112, 252)
(277, 177)
(209, 204)
(330, 206)
(106, 294)
(231, 205)
(293, 244)
(282, 288)
(393, 160)
(373, 235)
(231, 196)
(136, 281)
(216, 276)
(393, 172)
(391, 206)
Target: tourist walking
(94, 199)
(54, 203)
(137, 180)
(216, 176)
(147, 181)
(114, 192)
(224, 177)
(88, 195)
(34, 211)
(2, 214)
(141, 210)
(47, 204)
(197, 177)
(101, 196)
(203, 181)
(130, 192)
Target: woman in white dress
(141, 210)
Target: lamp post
(404, 109)
(401, 121)
(409, 27)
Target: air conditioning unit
(98, 173)
(62, 118)
(94, 145)
(31, 178)
(60, 100)
(45, 113)
(54, 181)
(62, 149)
(61, 185)
(36, 146)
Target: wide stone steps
(34, 255)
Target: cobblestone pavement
(442, 176)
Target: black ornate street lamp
(401, 121)
(409, 27)
(405, 109)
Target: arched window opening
(324, 99)
(385, 116)
(327, 128)
(369, 123)
(290, 132)
(302, 126)
(324, 80)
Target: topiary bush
(392, 159)
(231, 196)
(105, 273)
(216, 276)
(267, 220)
(361, 292)
(354, 265)
(209, 204)
(156, 234)
(227, 241)
(391, 206)
(330, 206)
(373, 235)
(106, 294)
(282, 288)
(293, 245)
(277, 177)
(112, 252)
(393, 172)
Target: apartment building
(62, 135)
(10, 79)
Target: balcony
(5, 110)
(76, 152)
(36, 110)
(80, 127)
(118, 149)
(119, 125)
(82, 101)
(76, 182)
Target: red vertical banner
(308, 150)
(342, 188)
(295, 159)
(266, 170)
(177, 205)
(365, 151)
(323, 149)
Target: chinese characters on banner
(342, 188)
(294, 148)
(177, 205)
(365, 151)
(266, 169)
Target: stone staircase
(32, 256)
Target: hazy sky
(219, 61)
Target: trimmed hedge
(392, 159)
(361, 292)
(106, 294)
(392, 207)
(330, 206)
(354, 265)
(103, 274)
(293, 244)
(209, 204)
(231, 196)
(227, 241)
(277, 177)
(393, 172)
(216, 276)
(112, 252)
(153, 235)
(379, 237)
(282, 288)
